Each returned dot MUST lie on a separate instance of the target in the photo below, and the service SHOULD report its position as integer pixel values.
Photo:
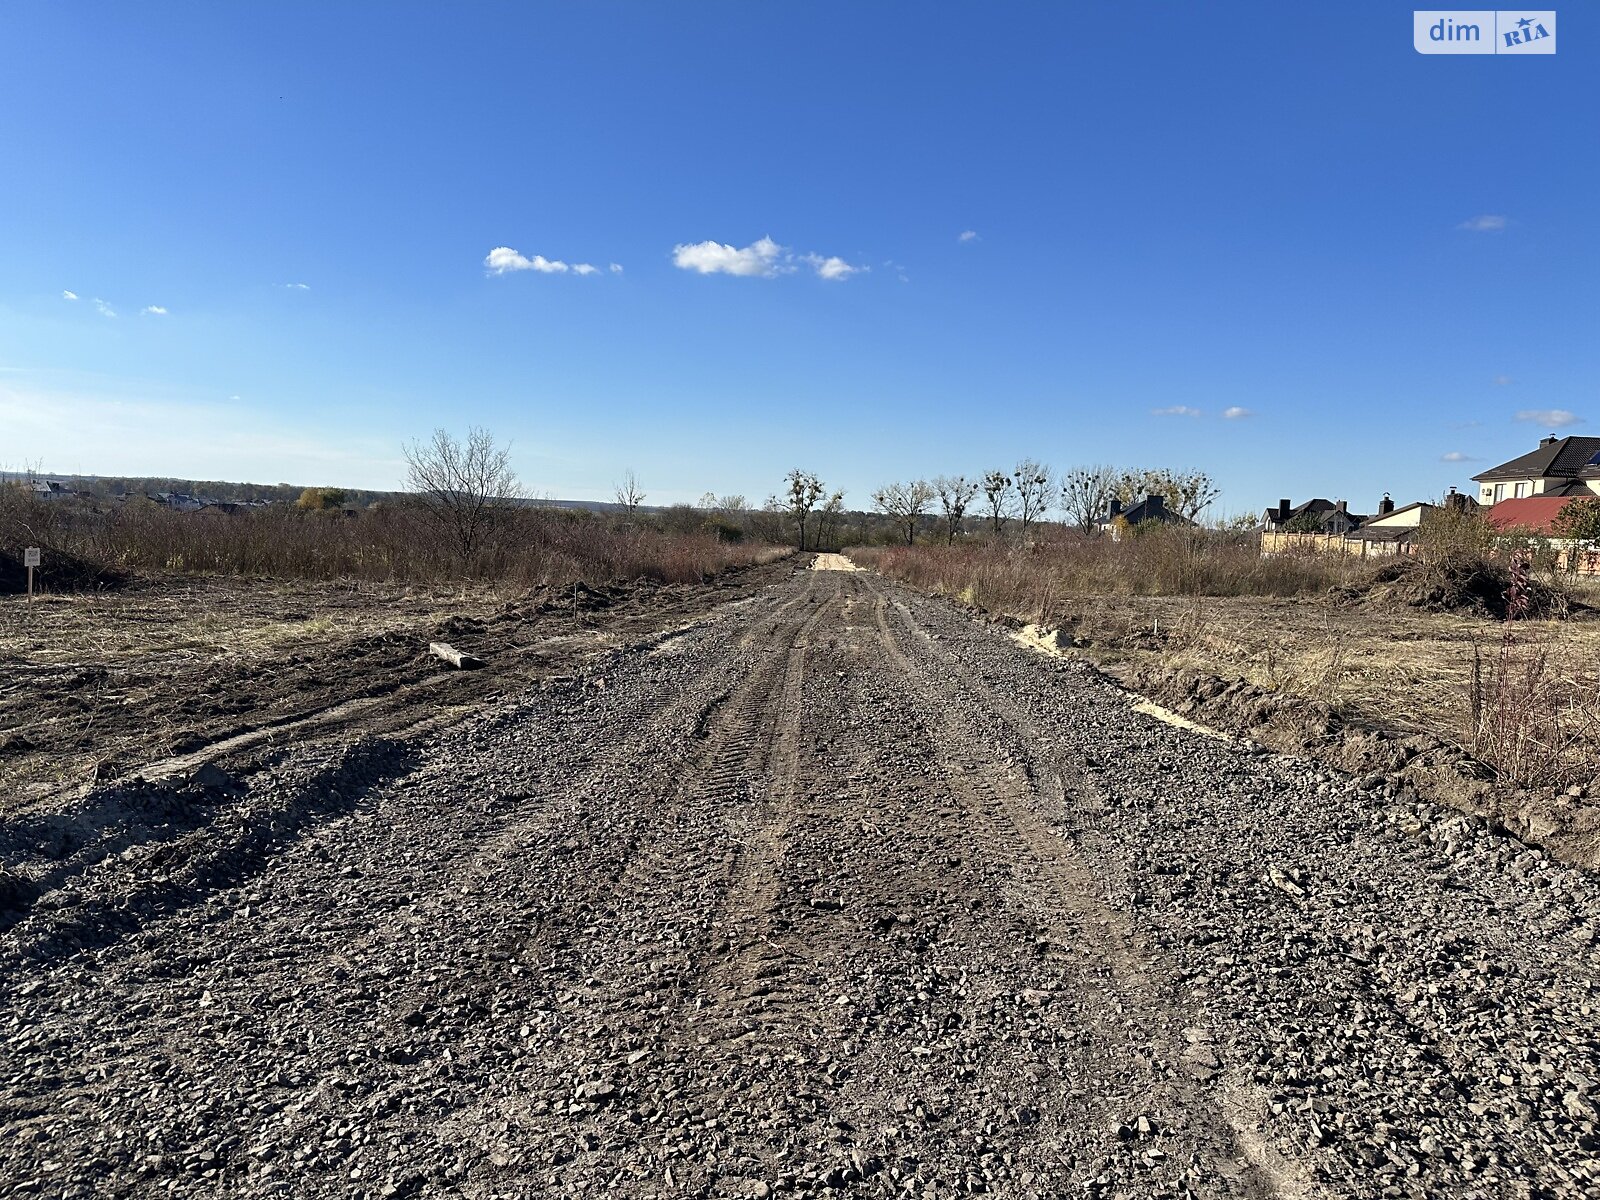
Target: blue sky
(1374, 258)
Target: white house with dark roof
(1568, 466)
(1397, 527)
(50, 489)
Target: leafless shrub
(465, 487)
(629, 494)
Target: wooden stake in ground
(30, 559)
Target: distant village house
(1568, 466)
(1329, 527)
(1522, 497)
(1151, 510)
(1313, 516)
(50, 489)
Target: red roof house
(1531, 514)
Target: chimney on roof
(1154, 504)
(1283, 510)
(1116, 508)
(1456, 501)
(1385, 506)
(1548, 441)
(1343, 506)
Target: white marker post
(30, 559)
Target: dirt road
(834, 892)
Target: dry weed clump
(524, 547)
(1462, 564)
(1537, 727)
(1034, 581)
(1472, 585)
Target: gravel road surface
(835, 892)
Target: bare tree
(956, 493)
(465, 486)
(1032, 481)
(629, 494)
(997, 495)
(905, 503)
(829, 517)
(1086, 494)
(1191, 492)
(805, 489)
(767, 521)
(1187, 493)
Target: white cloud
(1236, 413)
(1455, 456)
(1176, 410)
(69, 295)
(763, 258)
(1550, 418)
(503, 258)
(716, 258)
(616, 268)
(967, 235)
(832, 267)
(296, 287)
(153, 310)
(1485, 223)
(104, 309)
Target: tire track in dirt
(1114, 976)
(746, 908)
(690, 874)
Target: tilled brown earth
(838, 892)
(176, 670)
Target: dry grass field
(1408, 669)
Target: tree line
(999, 501)
(1023, 496)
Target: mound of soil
(58, 571)
(1469, 586)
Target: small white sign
(30, 556)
